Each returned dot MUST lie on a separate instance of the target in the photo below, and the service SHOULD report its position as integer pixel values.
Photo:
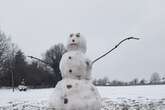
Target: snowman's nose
(73, 40)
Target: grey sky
(36, 25)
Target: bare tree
(4, 48)
(53, 57)
(155, 78)
(143, 81)
(102, 81)
(106, 81)
(13, 50)
(134, 81)
(6, 59)
(4, 51)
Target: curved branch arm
(114, 48)
(40, 60)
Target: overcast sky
(36, 25)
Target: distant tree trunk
(12, 75)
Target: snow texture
(115, 98)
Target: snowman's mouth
(73, 44)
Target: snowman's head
(76, 42)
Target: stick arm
(116, 46)
(40, 60)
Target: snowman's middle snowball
(75, 64)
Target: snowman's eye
(70, 71)
(71, 35)
(69, 86)
(78, 35)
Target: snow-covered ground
(114, 98)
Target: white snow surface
(133, 92)
(121, 98)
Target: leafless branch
(40, 60)
(114, 48)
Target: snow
(145, 97)
(133, 92)
(32, 95)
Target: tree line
(155, 79)
(15, 66)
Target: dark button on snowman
(75, 91)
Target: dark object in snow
(22, 86)
(65, 101)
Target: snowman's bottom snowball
(72, 94)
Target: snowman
(75, 91)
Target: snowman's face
(76, 42)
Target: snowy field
(113, 98)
